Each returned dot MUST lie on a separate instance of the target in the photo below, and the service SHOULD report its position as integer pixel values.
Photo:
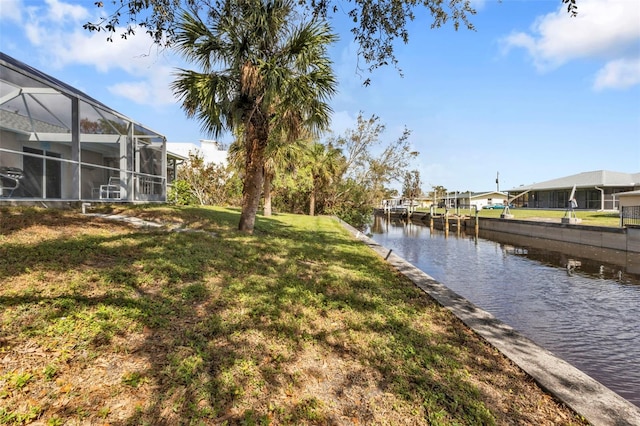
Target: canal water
(579, 302)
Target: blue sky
(532, 94)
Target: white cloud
(136, 55)
(10, 10)
(478, 4)
(341, 121)
(133, 91)
(48, 30)
(34, 34)
(48, 21)
(603, 30)
(346, 69)
(619, 74)
(60, 11)
(153, 91)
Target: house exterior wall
(478, 202)
(626, 199)
(481, 200)
(629, 200)
(10, 141)
(211, 151)
(495, 199)
(587, 198)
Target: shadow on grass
(14, 219)
(221, 320)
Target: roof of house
(628, 194)
(16, 122)
(600, 178)
(49, 80)
(471, 195)
(42, 78)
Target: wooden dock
(438, 221)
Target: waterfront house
(596, 190)
(211, 151)
(57, 144)
(481, 199)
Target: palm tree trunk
(256, 138)
(312, 202)
(267, 194)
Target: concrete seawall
(623, 239)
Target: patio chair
(9, 180)
(111, 190)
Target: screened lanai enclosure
(57, 143)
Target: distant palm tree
(263, 71)
(324, 163)
(280, 157)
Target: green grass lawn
(104, 323)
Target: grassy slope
(102, 323)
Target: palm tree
(280, 156)
(324, 163)
(263, 73)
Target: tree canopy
(412, 185)
(377, 24)
(370, 165)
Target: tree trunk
(256, 143)
(267, 194)
(312, 202)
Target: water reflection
(580, 302)
(595, 261)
